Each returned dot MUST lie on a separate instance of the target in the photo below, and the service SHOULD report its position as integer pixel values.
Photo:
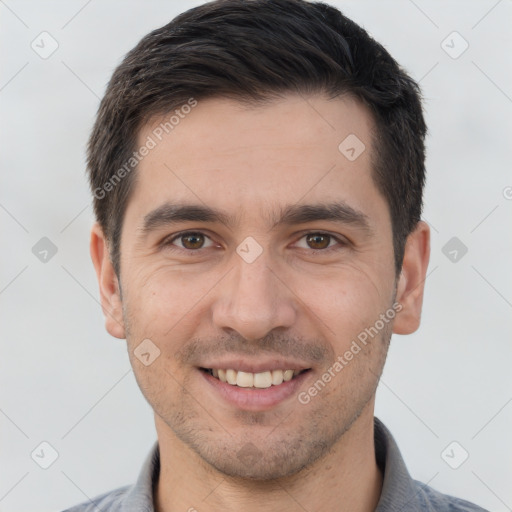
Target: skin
(202, 299)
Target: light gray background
(65, 381)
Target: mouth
(260, 380)
(250, 385)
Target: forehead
(256, 159)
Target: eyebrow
(173, 213)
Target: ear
(411, 282)
(110, 295)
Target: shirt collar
(140, 495)
(399, 490)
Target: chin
(273, 461)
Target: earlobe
(411, 282)
(110, 296)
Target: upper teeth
(256, 380)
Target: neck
(346, 479)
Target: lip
(253, 399)
(243, 365)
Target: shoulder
(435, 501)
(111, 501)
(129, 498)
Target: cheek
(162, 302)
(347, 302)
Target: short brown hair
(253, 51)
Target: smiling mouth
(260, 380)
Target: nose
(254, 300)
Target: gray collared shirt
(399, 491)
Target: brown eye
(318, 240)
(189, 241)
(192, 240)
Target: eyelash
(168, 242)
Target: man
(257, 168)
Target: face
(256, 249)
